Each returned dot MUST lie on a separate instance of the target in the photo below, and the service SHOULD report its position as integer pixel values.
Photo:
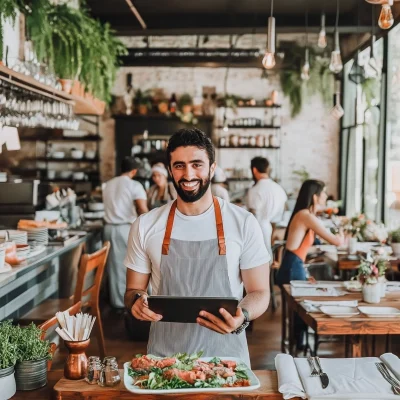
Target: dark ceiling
(164, 17)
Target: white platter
(254, 382)
(339, 311)
(380, 312)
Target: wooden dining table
(355, 327)
(63, 389)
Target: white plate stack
(19, 237)
(38, 235)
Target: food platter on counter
(184, 373)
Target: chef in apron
(197, 245)
(124, 199)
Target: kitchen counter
(67, 389)
(52, 273)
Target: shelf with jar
(249, 142)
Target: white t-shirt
(219, 191)
(119, 195)
(268, 200)
(245, 247)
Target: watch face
(246, 315)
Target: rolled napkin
(316, 291)
(288, 378)
(392, 362)
(349, 378)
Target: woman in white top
(162, 191)
(218, 184)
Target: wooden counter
(66, 389)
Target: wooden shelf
(69, 159)
(30, 84)
(256, 106)
(156, 116)
(151, 154)
(249, 147)
(249, 127)
(88, 106)
(88, 138)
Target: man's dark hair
(128, 164)
(261, 164)
(191, 137)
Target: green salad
(185, 371)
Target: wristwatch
(245, 323)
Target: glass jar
(252, 141)
(109, 373)
(260, 140)
(93, 370)
(234, 140)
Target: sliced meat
(223, 372)
(201, 375)
(166, 362)
(229, 364)
(188, 376)
(143, 362)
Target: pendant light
(268, 61)
(386, 19)
(322, 33)
(336, 64)
(305, 70)
(357, 72)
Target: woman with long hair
(300, 235)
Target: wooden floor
(264, 341)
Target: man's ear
(212, 169)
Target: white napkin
(393, 288)
(392, 362)
(315, 291)
(349, 378)
(288, 379)
(317, 284)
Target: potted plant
(8, 358)
(368, 274)
(395, 242)
(32, 355)
(143, 101)
(185, 103)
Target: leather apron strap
(218, 221)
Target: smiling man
(198, 245)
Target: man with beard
(202, 246)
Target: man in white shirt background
(266, 199)
(218, 184)
(198, 245)
(124, 200)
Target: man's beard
(193, 195)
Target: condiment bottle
(109, 373)
(93, 370)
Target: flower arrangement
(395, 236)
(364, 229)
(370, 269)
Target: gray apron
(195, 268)
(118, 236)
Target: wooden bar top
(65, 389)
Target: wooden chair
(89, 297)
(277, 250)
(75, 309)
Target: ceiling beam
(128, 31)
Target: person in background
(124, 200)
(266, 199)
(300, 235)
(218, 184)
(162, 191)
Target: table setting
(317, 378)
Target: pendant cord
(272, 7)
(337, 14)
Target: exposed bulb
(305, 71)
(322, 43)
(386, 20)
(336, 64)
(268, 61)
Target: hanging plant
(321, 79)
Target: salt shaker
(93, 370)
(109, 374)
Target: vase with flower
(368, 275)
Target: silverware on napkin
(388, 377)
(322, 375)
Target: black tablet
(187, 309)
